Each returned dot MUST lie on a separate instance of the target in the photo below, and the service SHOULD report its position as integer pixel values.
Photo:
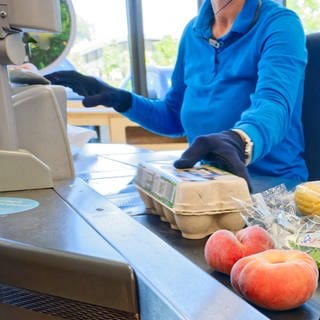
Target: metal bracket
(5, 28)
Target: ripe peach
(224, 248)
(276, 279)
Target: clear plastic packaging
(276, 210)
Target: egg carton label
(161, 179)
(157, 185)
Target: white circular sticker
(9, 205)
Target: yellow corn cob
(307, 198)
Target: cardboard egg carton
(196, 201)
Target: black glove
(223, 150)
(95, 91)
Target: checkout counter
(76, 241)
(90, 247)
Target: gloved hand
(95, 91)
(223, 150)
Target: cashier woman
(236, 92)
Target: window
(163, 23)
(101, 45)
(309, 13)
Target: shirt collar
(246, 16)
(202, 24)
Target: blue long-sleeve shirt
(252, 80)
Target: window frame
(136, 45)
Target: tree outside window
(309, 13)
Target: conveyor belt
(128, 200)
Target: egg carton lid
(194, 190)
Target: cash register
(53, 264)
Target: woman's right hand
(95, 91)
(81, 84)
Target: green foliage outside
(309, 13)
(50, 46)
(165, 51)
(115, 64)
(112, 67)
(84, 29)
(116, 61)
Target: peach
(224, 248)
(276, 279)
